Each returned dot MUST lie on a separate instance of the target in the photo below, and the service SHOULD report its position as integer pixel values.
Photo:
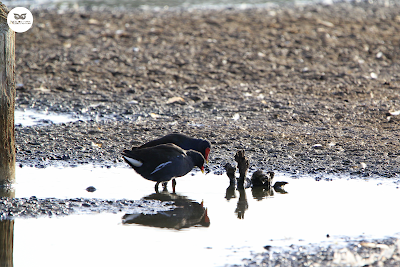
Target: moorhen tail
(185, 142)
(163, 162)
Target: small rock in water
(91, 189)
(279, 185)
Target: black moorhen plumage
(163, 162)
(185, 142)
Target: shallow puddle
(308, 212)
(31, 117)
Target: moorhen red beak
(163, 162)
(207, 152)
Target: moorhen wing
(185, 142)
(163, 162)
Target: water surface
(31, 117)
(310, 210)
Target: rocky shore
(33, 207)
(302, 89)
(360, 252)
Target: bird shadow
(187, 213)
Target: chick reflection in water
(260, 184)
(187, 213)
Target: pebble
(91, 189)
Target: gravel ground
(304, 90)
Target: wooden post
(7, 99)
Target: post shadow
(6, 233)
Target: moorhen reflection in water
(260, 184)
(187, 213)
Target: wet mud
(33, 207)
(383, 252)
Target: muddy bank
(302, 89)
(361, 252)
(33, 207)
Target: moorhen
(187, 213)
(183, 141)
(163, 162)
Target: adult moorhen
(183, 141)
(163, 162)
